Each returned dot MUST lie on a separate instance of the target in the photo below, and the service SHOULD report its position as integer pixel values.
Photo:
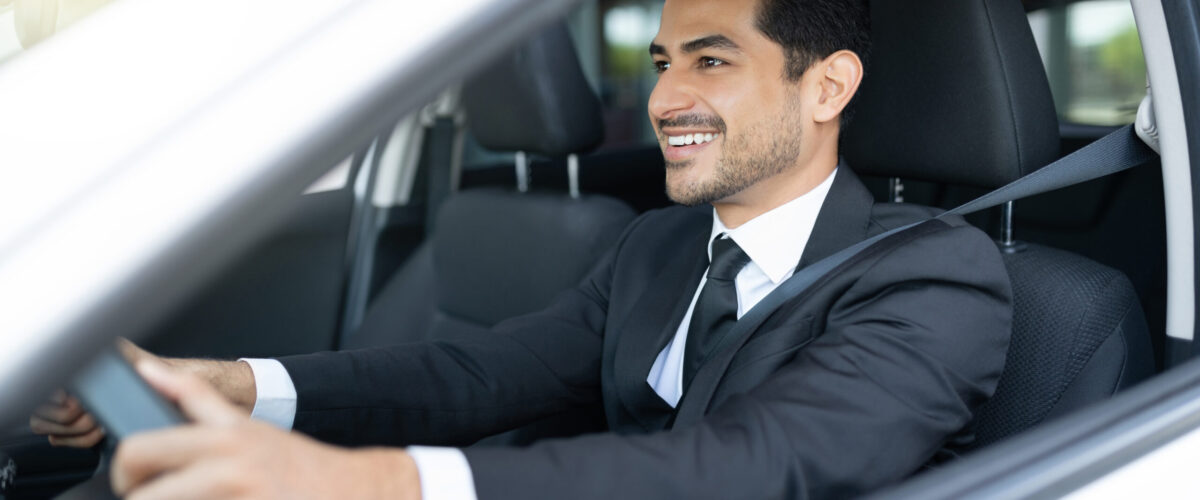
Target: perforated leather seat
(956, 94)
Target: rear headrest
(497, 255)
(535, 100)
(955, 93)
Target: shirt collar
(775, 240)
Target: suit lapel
(651, 324)
(844, 220)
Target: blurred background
(1090, 47)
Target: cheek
(742, 102)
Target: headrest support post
(1006, 226)
(573, 174)
(895, 190)
(522, 163)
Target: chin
(684, 193)
(687, 181)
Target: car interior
(503, 193)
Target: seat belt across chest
(1119, 150)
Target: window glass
(1093, 58)
(25, 23)
(9, 44)
(612, 38)
(627, 73)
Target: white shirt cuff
(444, 472)
(275, 398)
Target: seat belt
(1119, 150)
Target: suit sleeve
(909, 351)
(456, 391)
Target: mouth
(683, 146)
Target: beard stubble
(763, 150)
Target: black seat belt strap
(1117, 151)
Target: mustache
(692, 120)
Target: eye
(711, 62)
(661, 66)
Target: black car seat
(956, 93)
(498, 253)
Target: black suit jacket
(852, 385)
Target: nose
(669, 97)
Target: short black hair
(811, 30)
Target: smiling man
(853, 385)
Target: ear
(838, 76)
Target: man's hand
(225, 455)
(64, 421)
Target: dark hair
(810, 30)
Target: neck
(771, 192)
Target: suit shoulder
(887, 216)
(957, 252)
(676, 213)
(671, 220)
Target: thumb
(128, 349)
(199, 401)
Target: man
(855, 384)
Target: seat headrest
(955, 93)
(535, 100)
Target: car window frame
(127, 284)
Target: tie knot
(727, 259)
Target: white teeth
(689, 139)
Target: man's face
(725, 115)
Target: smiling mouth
(690, 139)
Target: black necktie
(716, 308)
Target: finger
(202, 481)
(81, 441)
(198, 400)
(130, 351)
(65, 412)
(84, 424)
(141, 457)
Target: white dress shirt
(774, 241)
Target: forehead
(685, 20)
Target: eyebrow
(710, 42)
(707, 42)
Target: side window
(612, 38)
(627, 77)
(1093, 58)
(10, 45)
(25, 23)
